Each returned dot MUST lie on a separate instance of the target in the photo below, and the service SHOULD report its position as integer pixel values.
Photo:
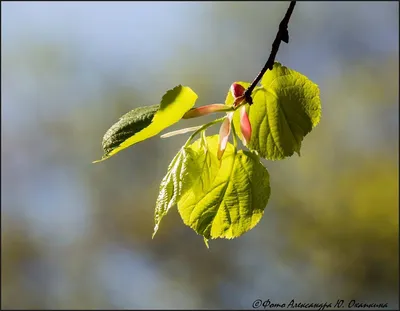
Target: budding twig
(282, 35)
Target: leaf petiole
(202, 128)
(181, 131)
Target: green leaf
(285, 109)
(128, 125)
(227, 198)
(145, 122)
(171, 187)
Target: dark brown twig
(282, 35)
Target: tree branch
(282, 35)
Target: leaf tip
(206, 242)
(155, 231)
(104, 157)
(97, 161)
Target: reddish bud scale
(245, 125)
(237, 90)
(224, 133)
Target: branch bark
(282, 35)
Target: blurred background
(78, 235)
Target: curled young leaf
(172, 187)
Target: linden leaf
(171, 187)
(227, 198)
(285, 109)
(145, 122)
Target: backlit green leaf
(145, 122)
(171, 187)
(285, 109)
(227, 198)
(128, 125)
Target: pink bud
(237, 90)
(204, 110)
(245, 125)
(224, 132)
